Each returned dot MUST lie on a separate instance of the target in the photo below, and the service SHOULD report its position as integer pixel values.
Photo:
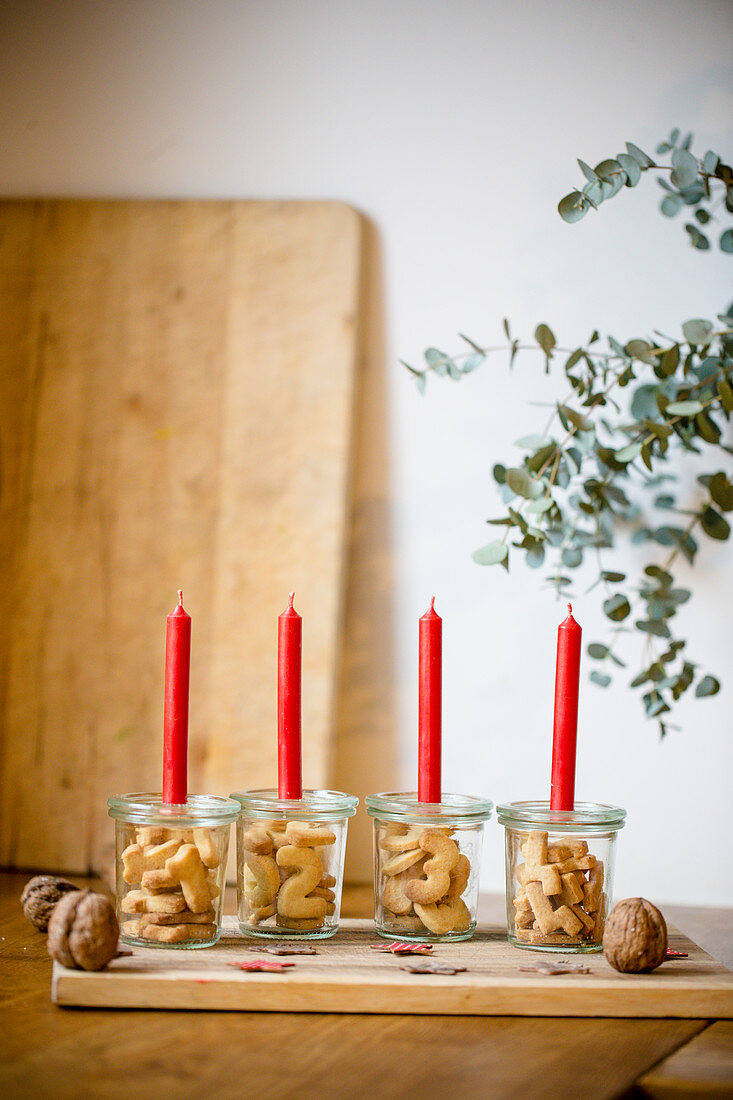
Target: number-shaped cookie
(307, 871)
(436, 884)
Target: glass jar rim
(587, 817)
(315, 805)
(459, 809)
(148, 808)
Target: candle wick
(570, 609)
(292, 597)
(180, 597)
(432, 603)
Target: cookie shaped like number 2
(307, 873)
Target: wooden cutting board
(348, 976)
(175, 398)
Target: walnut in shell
(635, 938)
(83, 931)
(40, 897)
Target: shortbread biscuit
(207, 846)
(299, 925)
(178, 933)
(571, 892)
(406, 922)
(184, 917)
(399, 842)
(593, 889)
(292, 900)
(136, 859)
(256, 840)
(445, 855)
(400, 862)
(459, 877)
(324, 892)
(262, 912)
(159, 880)
(308, 835)
(445, 917)
(261, 879)
(547, 918)
(140, 901)
(187, 867)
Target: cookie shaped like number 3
(307, 871)
(436, 884)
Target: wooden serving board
(348, 976)
(176, 383)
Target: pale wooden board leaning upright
(176, 386)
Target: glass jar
(559, 873)
(290, 862)
(171, 868)
(427, 859)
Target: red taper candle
(289, 647)
(565, 726)
(430, 706)
(175, 717)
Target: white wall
(454, 126)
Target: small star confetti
(404, 948)
(285, 949)
(432, 968)
(557, 968)
(676, 954)
(267, 965)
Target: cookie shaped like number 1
(307, 873)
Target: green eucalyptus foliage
(580, 484)
(698, 187)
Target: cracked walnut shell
(40, 897)
(635, 939)
(83, 931)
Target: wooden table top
(47, 1051)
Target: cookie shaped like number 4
(307, 873)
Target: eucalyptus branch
(568, 494)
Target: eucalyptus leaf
(721, 490)
(573, 207)
(726, 241)
(642, 159)
(684, 408)
(631, 167)
(597, 652)
(628, 453)
(670, 205)
(684, 169)
(472, 362)
(600, 678)
(617, 607)
(713, 524)
(697, 239)
(493, 554)
(587, 170)
(578, 420)
(707, 686)
(697, 331)
(545, 337)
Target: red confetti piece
(676, 954)
(404, 948)
(268, 965)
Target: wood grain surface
(67, 1053)
(347, 975)
(176, 402)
